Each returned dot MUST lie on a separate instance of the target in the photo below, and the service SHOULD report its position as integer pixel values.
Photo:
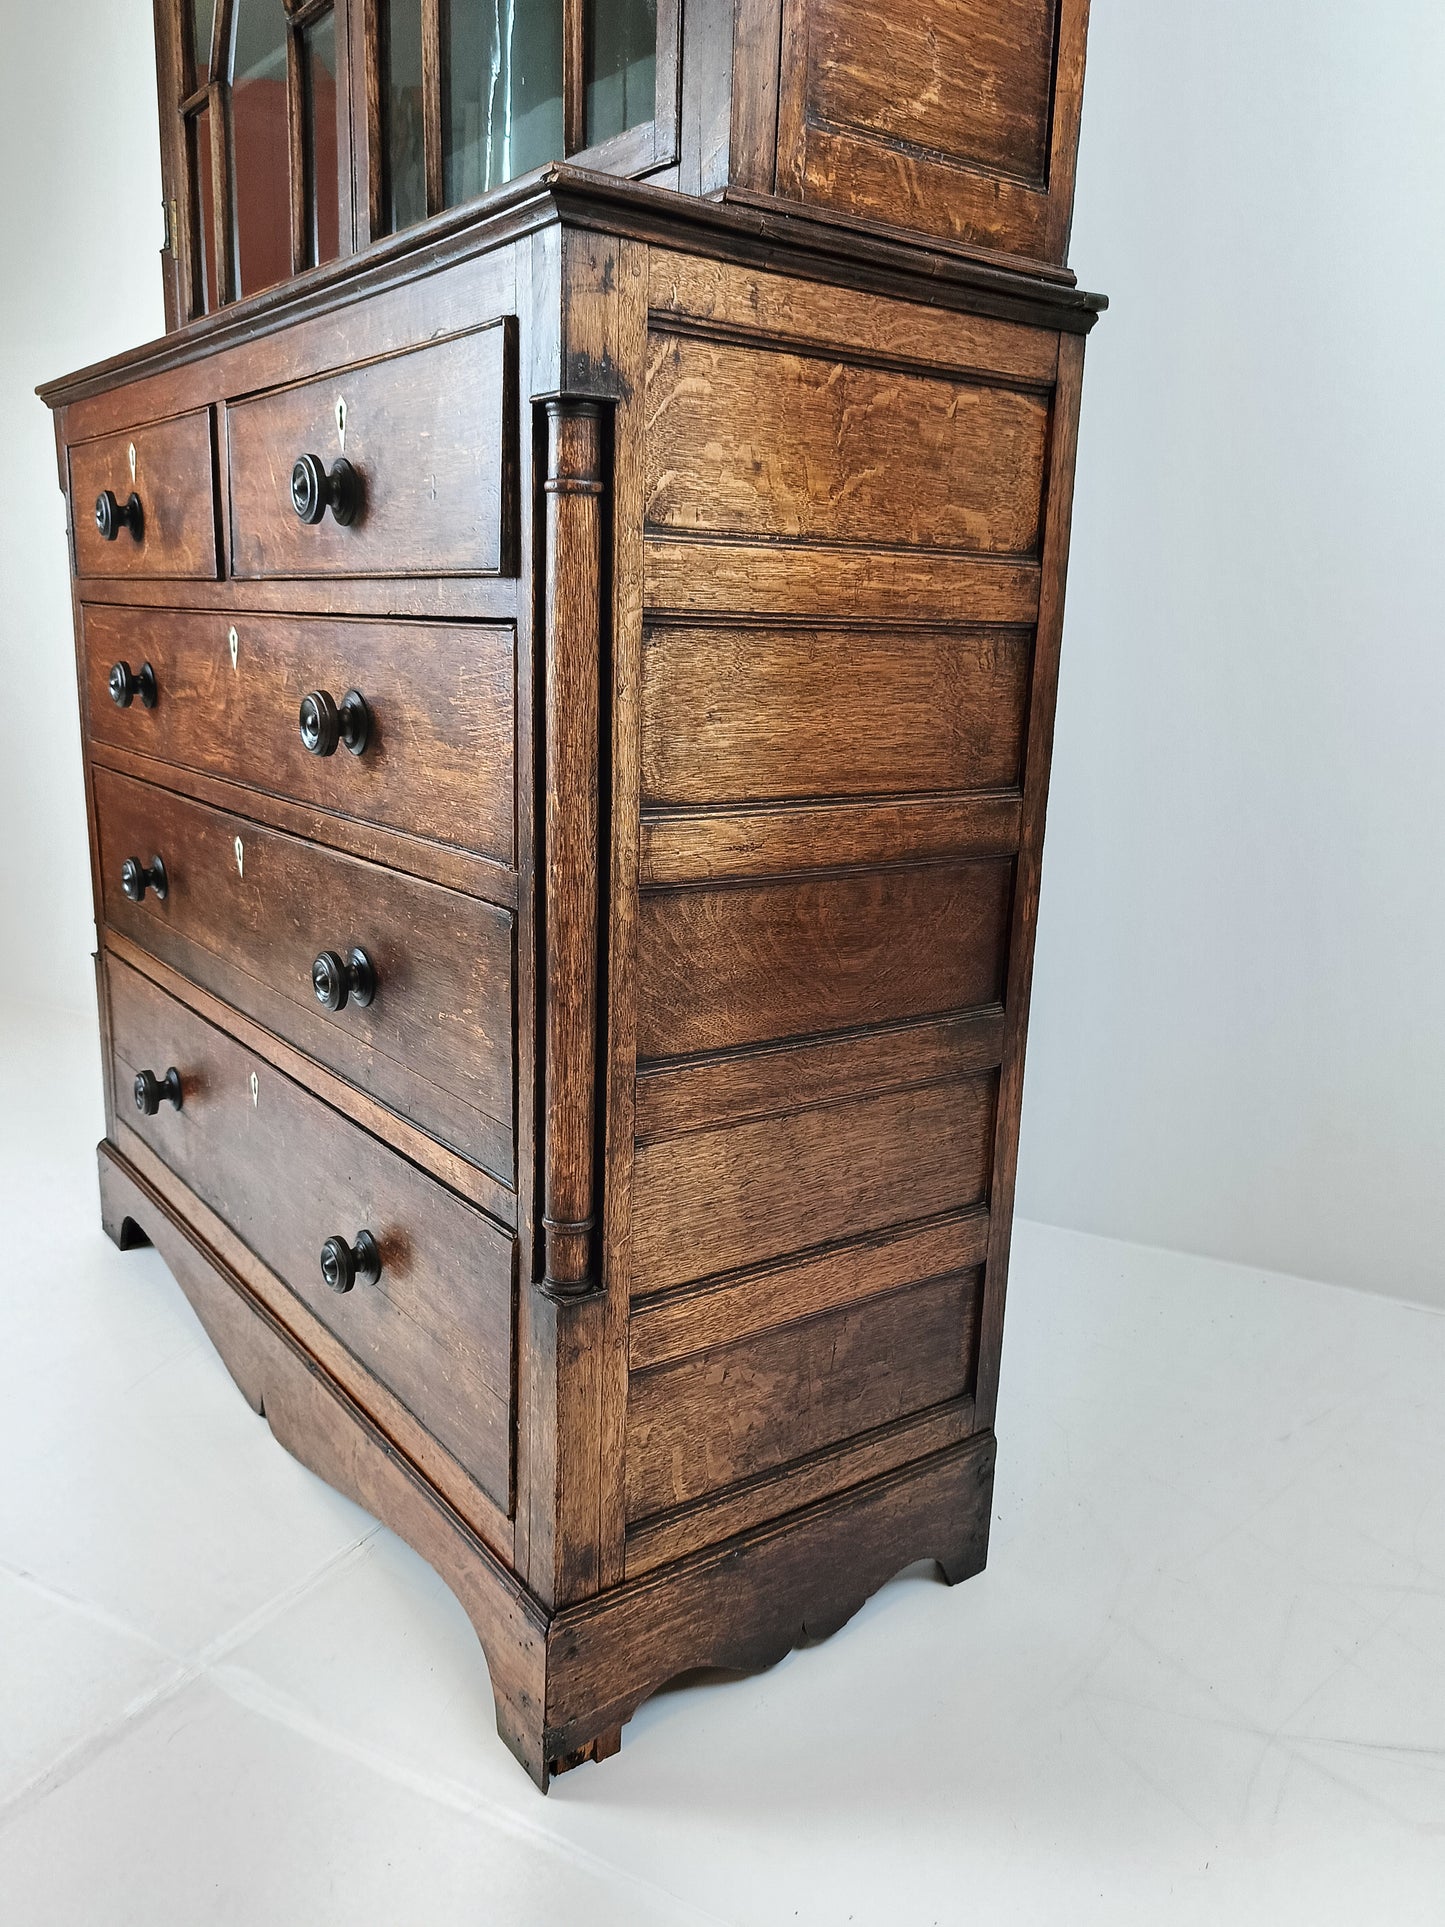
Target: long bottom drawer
(286, 1174)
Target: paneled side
(830, 784)
(959, 119)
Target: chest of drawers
(567, 702)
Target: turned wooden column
(572, 617)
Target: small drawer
(399, 467)
(250, 912)
(225, 694)
(166, 468)
(287, 1174)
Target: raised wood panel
(745, 713)
(968, 80)
(959, 121)
(702, 578)
(738, 964)
(439, 760)
(285, 1173)
(841, 319)
(435, 1045)
(771, 1495)
(744, 441)
(679, 1323)
(764, 1081)
(856, 173)
(719, 1200)
(728, 1414)
(174, 476)
(772, 840)
(431, 436)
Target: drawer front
(246, 912)
(429, 438)
(438, 760)
(286, 1173)
(170, 467)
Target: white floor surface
(1203, 1678)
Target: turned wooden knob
(313, 490)
(112, 516)
(137, 877)
(125, 684)
(325, 723)
(342, 1264)
(339, 980)
(152, 1091)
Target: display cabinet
(567, 645)
(294, 131)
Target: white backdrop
(1239, 1036)
(1239, 1021)
(80, 227)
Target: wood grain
(436, 1045)
(740, 713)
(713, 1419)
(741, 963)
(718, 1200)
(175, 480)
(439, 761)
(670, 1536)
(677, 1324)
(968, 79)
(769, 1079)
(747, 443)
(704, 578)
(777, 840)
(430, 433)
(791, 308)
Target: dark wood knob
(325, 723)
(112, 516)
(152, 1091)
(127, 683)
(342, 1264)
(313, 490)
(137, 877)
(339, 980)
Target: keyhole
(341, 420)
(132, 464)
(255, 1091)
(240, 859)
(235, 642)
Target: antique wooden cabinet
(567, 693)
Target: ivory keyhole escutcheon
(255, 1092)
(240, 859)
(341, 420)
(132, 464)
(235, 642)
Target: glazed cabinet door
(294, 131)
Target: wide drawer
(286, 1173)
(428, 437)
(169, 468)
(248, 910)
(438, 759)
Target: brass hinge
(169, 225)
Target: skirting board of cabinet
(564, 1683)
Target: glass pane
(621, 66)
(261, 144)
(401, 104)
(503, 114)
(325, 163)
(199, 134)
(203, 14)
